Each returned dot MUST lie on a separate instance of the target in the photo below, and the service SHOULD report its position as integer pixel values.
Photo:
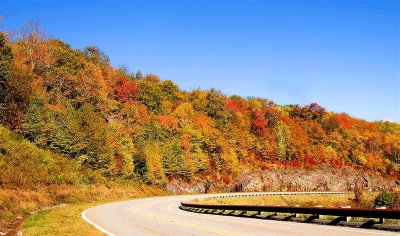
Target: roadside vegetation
(293, 200)
(60, 221)
(33, 178)
(361, 200)
(17, 204)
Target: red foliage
(264, 166)
(310, 160)
(232, 105)
(236, 106)
(348, 122)
(259, 122)
(226, 179)
(119, 163)
(127, 90)
(213, 163)
(272, 155)
(294, 163)
(345, 120)
(336, 163)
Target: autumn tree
(127, 90)
(96, 55)
(216, 109)
(309, 112)
(154, 169)
(32, 48)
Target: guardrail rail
(373, 218)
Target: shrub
(384, 199)
(358, 191)
(396, 203)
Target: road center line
(185, 224)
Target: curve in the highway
(162, 216)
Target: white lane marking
(83, 215)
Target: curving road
(161, 216)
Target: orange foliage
(168, 122)
(202, 121)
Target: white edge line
(83, 215)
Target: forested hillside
(140, 127)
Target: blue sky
(344, 55)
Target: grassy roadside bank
(23, 206)
(65, 220)
(292, 200)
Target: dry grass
(60, 221)
(292, 200)
(16, 203)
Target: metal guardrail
(352, 212)
(342, 215)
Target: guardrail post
(348, 218)
(272, 215)
(320, 216)
(381, 220)
(311, 218)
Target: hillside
(32, 178)
(134, 126)
(73, 128)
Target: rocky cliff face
(323, 178)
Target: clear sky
(344, 55)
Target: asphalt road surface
(162, 216)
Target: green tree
(150, 93)
(154, 169)
(384, 199)
(96, 55)
(5, 65)
(216, 108)
(170, 91)
(282, 139)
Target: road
(161, 216)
